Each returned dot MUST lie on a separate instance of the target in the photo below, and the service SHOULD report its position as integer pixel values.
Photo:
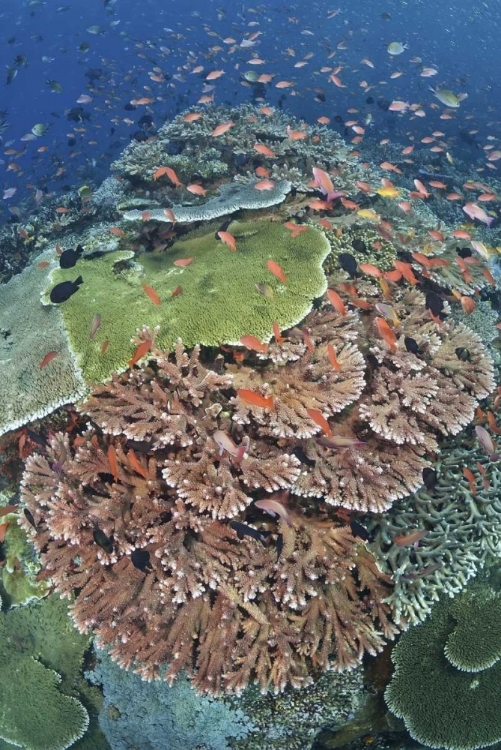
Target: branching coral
(146, 520)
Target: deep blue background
(462, 41)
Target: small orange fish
(255, 399)
(264, 150)
(143, 348)
(192, 116)
(370, 270)
(105, 346)
(227, 239)
(468, 304)
(152, 294)
(276, 332)
(320, 421)
(161, 171)
(62, 210)
(170, 215)
(277, 271)
(386, 333)
(183, 262)
(253, 343)
(48, 358)
(117, 231)
(264, 185)
(295, 229)
(177, 291)
(406, 271)
(221, 129)
(132, 458)
(112, 460)
(196, 189)
(470, 478)
(332, 358)
(262, 172)
(319, 205)
(43, 264)
(336, 302)
(3, 530)
(146, 215)
(410, 540)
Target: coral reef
(27, 333)
(446, 685)
(41, 655)
(160, 553)
(218, 303)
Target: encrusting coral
(146, 518)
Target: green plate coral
(219, 302)
(447, 681)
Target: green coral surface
(443, 705)
(219, 302)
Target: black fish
(64, 290)
(242, 529)
(360, 531)
(429, 478)
(145, 121)
(139, 136)
(369, 100)
(411, 345)
(338, 118)
(434, 303)
(301, 455)
(71, 141)
(141, 560)
(130, 107)
(463, 252)
(105, 542)
(348, 263)
(29, 516)
(359, 246)
(68, 258)
(280, 545)
(463, 353)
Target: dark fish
(64, 290)
(463, 353)
(411, 345)
(68, 258)
(71, 141)
(359, 246)
(145, 121)
(280, 545)
(348, 263)
(434, 303)
(301, 455)
(223, 228)
(338, 119)
(463, 252)
(84, 47)
(29, 516)
(429, 478)
(139, 136)
(242, 529)
(385, 16)
(360, 531)
(369, 100)
(130, 107)
(105, 542)
(141, 560)
(422, 573)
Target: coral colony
(280, 381)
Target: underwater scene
(250, 375)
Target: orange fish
(336, 302)
(170, 215)
(406, 271)
(112, 460)
(192, 116)
(152, 294)
(3, 530)
(105, 346)
(262, 172)
(332, 358)
(117, 231)
(43, 264)
(386, 333)
(308, 340)
(320, 421)
(214, 74)
(319, 205)
(255, 399)
(161, 171)
(468, 304)
(132, 458)
(143, 348)
(177, 291)
(276, 333)
(410, 540)
(196, 189)
(370, 270)
(295, 229)
(277, 271)
(48, 358)
(253, 343)
(228, 239)
(264, 185)
(461, 234)
(436, 235)
(264, 150)
(221, 129)
(183, 262)
(470, 478)
(62, 210)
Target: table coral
(228, 603)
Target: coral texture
(147, 519)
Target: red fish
(277, 271)
(255, 399)
(112, 460)
(48, 358)
(152, 294)
(177, 291)
(276, 333)
(183, 262)
(228, 239)
(386, 333)
(320, 421)
(253, 343)
(161, 171)
(105, 346)
(143, 348)
(410, 540)
(336, 302)
(131, 456)
(332, 358)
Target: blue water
(460, 41)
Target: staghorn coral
(145, 540)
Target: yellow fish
(368, 213)
(388, 192)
